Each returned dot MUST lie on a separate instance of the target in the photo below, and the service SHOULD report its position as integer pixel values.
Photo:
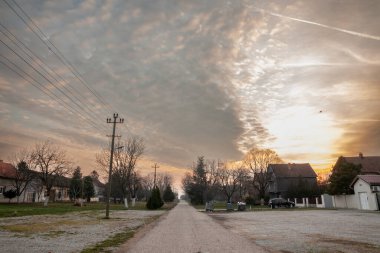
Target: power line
(44, 66)
(58, 53)
(46, 91)
(49, 44)
(114, 122)
(42, 75)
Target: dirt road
(186, 230)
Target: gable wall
(362, 186)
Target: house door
(363, 200)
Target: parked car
(280, 202)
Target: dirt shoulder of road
(70, 232)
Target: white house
(367, 191)
(35, 192)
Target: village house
(99, 189)
(366, 185)
(34, 192)
(284, 176)
(7, 175)
(369, 164)
(367, 191)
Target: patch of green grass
(116, 239)
(111, 242)
(31, 228)
(54, 234)
(24, 209)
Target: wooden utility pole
(114, 122)
(155, 166)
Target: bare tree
(126, 160)
(124, 165)
(243, 182)
(102, 160)
(51, 163)
(212, 178)
(22, 162)
(148, 184)
(229, 180)
(135, 185)
(202, 184)
(162, 181)
(257, 160)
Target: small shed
(367, 191)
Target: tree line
(246, 180)
(127, 184)
(46, 165)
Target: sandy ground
(186, 230)
(307, 230)
(71, 232)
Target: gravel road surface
(306, 231)
(67, 233)
(184, 230)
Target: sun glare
(303, 130)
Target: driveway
(307, 230)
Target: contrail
(363, 35)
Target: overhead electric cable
(43, 76)
(45, 90)
(58, 54)
(46, 68)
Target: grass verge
(24, 209)
(116, 240)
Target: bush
(155, 201)
(10, 194)
(168, 194)
(250, 201)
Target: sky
(213, 78)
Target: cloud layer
(212, 78)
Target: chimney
(361, 155)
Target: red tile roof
(7, 170)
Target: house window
(2, 188)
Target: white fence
(345, 201)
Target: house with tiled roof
(285, 176)
(7, 175)
(369, 164)
(366, 184)
(34, 192)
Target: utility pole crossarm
(155, 166)
(114, 122)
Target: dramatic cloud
(212, 78)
